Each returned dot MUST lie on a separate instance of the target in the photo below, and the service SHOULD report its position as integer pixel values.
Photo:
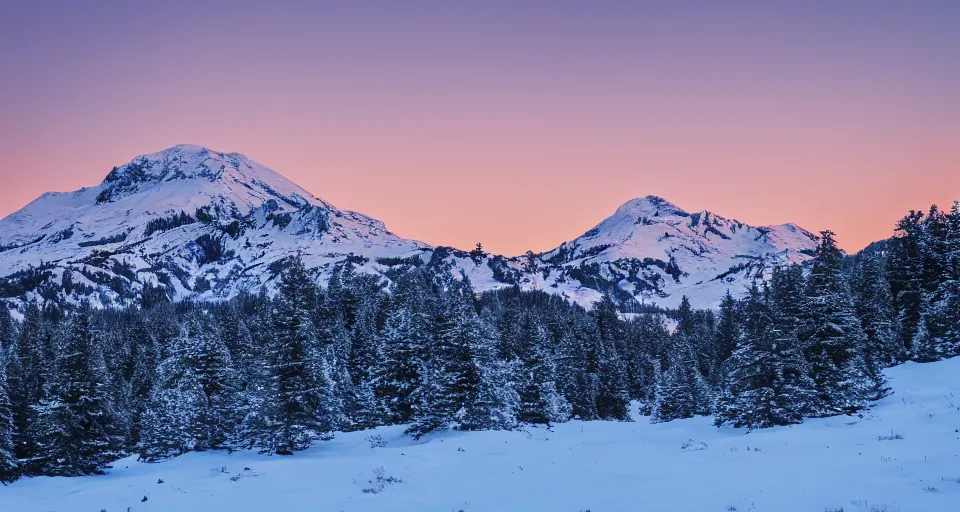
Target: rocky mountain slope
(205, 225)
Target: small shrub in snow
(692, 445)
(376, 441)
(892, 437)
(244, 474)
(380, 481)
(872, 508)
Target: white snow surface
(100, 237)
(849, 463)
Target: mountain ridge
(207, 225)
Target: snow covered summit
(205, 225)
(656, 252)
(233, 176)
(200, 223)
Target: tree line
(81, 387)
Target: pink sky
(520, 127)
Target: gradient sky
(518, 124)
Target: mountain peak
(649, 205)
(190, 168)
(183, 161)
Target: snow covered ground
(903, 455)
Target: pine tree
(75, 429)
(510, 345)
(935, 278)
(144, 359)
(728, 333)
(453, 375)
(787, 300)
(366, 353)
(174, 420)
(331, 362)
(297, 369)
(613, 397)
(245, 327)
(209, 361)
(937, 249)
(28, 366)
(497, 403)
(540, 400)
(9, 465)
(648, 345)
(407, 336)
(579, 354)
(834, 340)
(903, 271)
(681, 392)
(8, 330)
(766, 377)
(478, 254)
(874, 306)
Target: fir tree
(9, 465)
(28, 366)
(144, 361)
(834, 340)
(903, 271)
(294, 358)
(766, 377)
(613, 397)
(578, 367)
(874, 306)
(728, 333)
(75, 429)
(8, 330)
(648, 348)
(209, 362)
(681, 392)
(174, 420)
(407, 336)
(453, 375)
(366, 353)
(497, 403)
(540, 400)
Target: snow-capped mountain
(202, 224)
(652, 252)
(208, 225)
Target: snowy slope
(204, 224)
(653, 252)
(842, 463)
(700, 255)
(207, 225)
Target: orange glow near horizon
(517, 128)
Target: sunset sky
(517, 124)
